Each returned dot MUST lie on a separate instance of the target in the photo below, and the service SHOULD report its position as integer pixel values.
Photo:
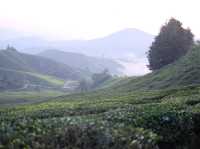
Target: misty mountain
(125, 43)
(128, 42)
(81, 61)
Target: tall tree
(172, 42)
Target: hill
(80, 61)
(19, 80)
(18, 68)
(128, 113)
(124, 43)
(120, 44)
(127, 43)
(183, 72)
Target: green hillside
(17, 70)
(151, 119)
(12, 79)
(13, 98)
(50, 79)
(12, 59)
(156, 111)
(185, 71)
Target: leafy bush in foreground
(133, 120)
(37, 134)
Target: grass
(13, 98)
(163, 116)
(52, 80)
(183, 72)
(34, 78)
(156, 111)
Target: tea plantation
(158, 111)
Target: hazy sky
(86, 19)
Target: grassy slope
(10, 59)
(16, 79)
(161, 116)
(185, 71)
(18, 69)
(13, 98)
(52, 80)
(127, 114)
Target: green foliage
(19, 80)
(97, 81)
(128, 113)
(13, 98)
(52, 80)
(172, 42)
(114, 120)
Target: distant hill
(127, 42)
(183, 72)
(80, 61)
(18, 68)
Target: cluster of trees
(171, 43)
(101, 77)
(96, 80)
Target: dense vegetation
(172, 42)
(127, 113)
(13, 98)
(164, 119)
(97, 81)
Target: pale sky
(87, 19)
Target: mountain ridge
(115, 45)
(83, 62)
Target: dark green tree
(172, 42)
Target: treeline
(95, 81)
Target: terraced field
(14, 98)
(158, 111)
(102, 119)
